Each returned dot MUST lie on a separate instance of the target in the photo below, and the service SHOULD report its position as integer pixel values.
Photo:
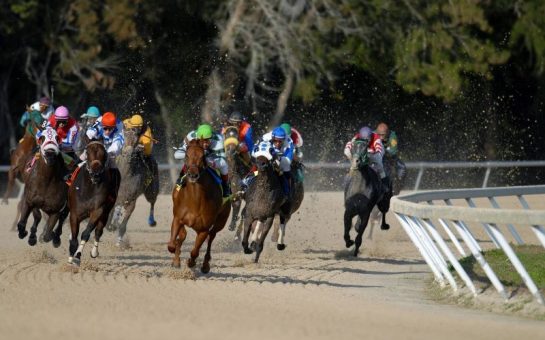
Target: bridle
(195, 177)
(95, 175)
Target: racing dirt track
(314, 289)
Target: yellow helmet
(136, 121)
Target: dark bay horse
(45, 189)
(92, 195)
(18, 159)
(239, 167)
(198, 205)
(137, 178)
(264, 199)
(363, 190)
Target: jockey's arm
(117, 145)
(248, 139)
(68, 142)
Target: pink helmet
(61, 112)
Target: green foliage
(529, 31)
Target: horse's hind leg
(240, 226)
(384, 206)
(151, 218)
(219, 224)
(234, 216)
(32, 239)
(201, 237)
(207, 257)
(11, 181)
(98, 234)
(74, 232)
(347, 226)
(86, 234)
(266, 227)
(364, 221)
(282, 233)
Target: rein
(95, 175)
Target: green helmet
(286, 128)
(204, 131)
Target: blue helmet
(365, 132)
(279, 133)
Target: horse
(264, 199)
(363, 190)
(92, 195)
(198, 205)
(45, 189)
(239, 167)
(294, 203)
(137, 178)
(18, 158)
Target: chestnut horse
(18, 158)
(238, 169)
(92, 195)
(198, 205)
(45, 189)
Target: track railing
(432, 221)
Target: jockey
(67, 130)
(297, 140)
(283, 147)
(145, 138)
(245, 133)
(110, 129)
(43, 106)
(212, 143)
(389, 139)
(90, 117)
(375, 150)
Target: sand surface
(314, 289)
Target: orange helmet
(108, 119)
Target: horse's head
(264, 154)
(97, 158)
(49, 145)
(131, 139)
(359, 154)
(230, 142)
(194, 160)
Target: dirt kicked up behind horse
(199, 205)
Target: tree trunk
(212, 100)
(169, 136)
(5, 115)
(282, 101)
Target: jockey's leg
(285, 166)
(376, 160)
(221, 165)
(181, 178)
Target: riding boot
(226, 188)
(286, 183)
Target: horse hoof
(171, 248)
(385, 226)
(152, 222)
(248, 251)
(23, 234)
(280, 246)
(94, 254)
(176, 264)
(349, 243)
(191, 263)
(32, 240)
(56, 241)
(76, 262)
(205, 269)
(253, 245)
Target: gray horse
(137, 178)
(362, 192)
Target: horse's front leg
(176, 262)
(201, 237)
(348, 215)
(247, 229)
(174, 230)
(46, 235)
(282, 233)
(58, 230)
(151, 217)
(21, 225)
(234, 217)
(384, 206)
(98, 234)
(74, 232)
(260, 242)
(32, 239)
(122, 229)
(364, 221)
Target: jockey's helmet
(109, 120)
(61, 113)
(279, 133)
(235, 117)
(286, 128)
(92, 112)
(365, 133)
(136, 121)
(204, 131)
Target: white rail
(417, 214)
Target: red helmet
(108, 119)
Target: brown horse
(18, 158)
(198, 205)
(92, 195)
(45, 189)
(239, 167)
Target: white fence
(419, 216)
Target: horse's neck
(268, 178)
(49, 171)
(237, 167)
